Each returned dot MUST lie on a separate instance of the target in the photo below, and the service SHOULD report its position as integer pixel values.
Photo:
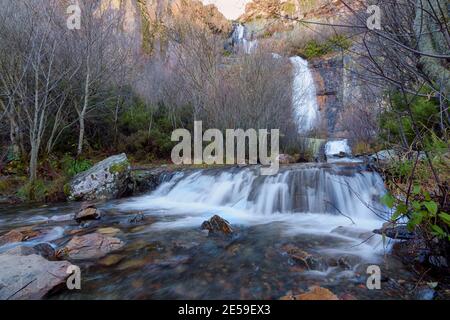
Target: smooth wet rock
(21, 251)
(217, 225)
(140, 217)
(111, 260)
(87, 212)
(43, 249)
(108, 179)
(30, 276)
(109, 231)
(12, 237)
(90, 246)
(314, 293)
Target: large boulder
(90, 246)
(24, 277)
(108, 179)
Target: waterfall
(339, 151)
(242, 193)
(240, 39)
(304, 98)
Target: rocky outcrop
(146, 180)
(328, 76)
(90, 246)
(147, 21)
(108, 179)
(29, 276)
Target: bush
(397, 120)
(36, 191)
(72, 167)
(314, 49)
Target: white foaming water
(250, 46)
(239, 37)
(238, 33)
(308, 199)
(335, 149)
(304, 97)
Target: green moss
(67, 189)
(119, 167)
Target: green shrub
(421, 211)
(314, 49)
(397, 120)
(36, 191)
(72, 167)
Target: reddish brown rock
(11, 237)
(217, 225)
(87, 212)
(314, 293)
(90, 246)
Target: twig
(339, 211)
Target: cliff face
(149, 21)
(266, 9)
(335, 74)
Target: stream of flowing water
(323, 211)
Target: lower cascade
(300, 189)
(310, 198)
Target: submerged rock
(18, 235)
(108, 179)
(29, 276)
(11, 237)
(90, 246)
(217, 225)
(304, 258)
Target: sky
(231, 9)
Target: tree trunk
(33, 163)
(83, 111)
(14, 137)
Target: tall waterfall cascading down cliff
(304, 97)
(240, 39)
